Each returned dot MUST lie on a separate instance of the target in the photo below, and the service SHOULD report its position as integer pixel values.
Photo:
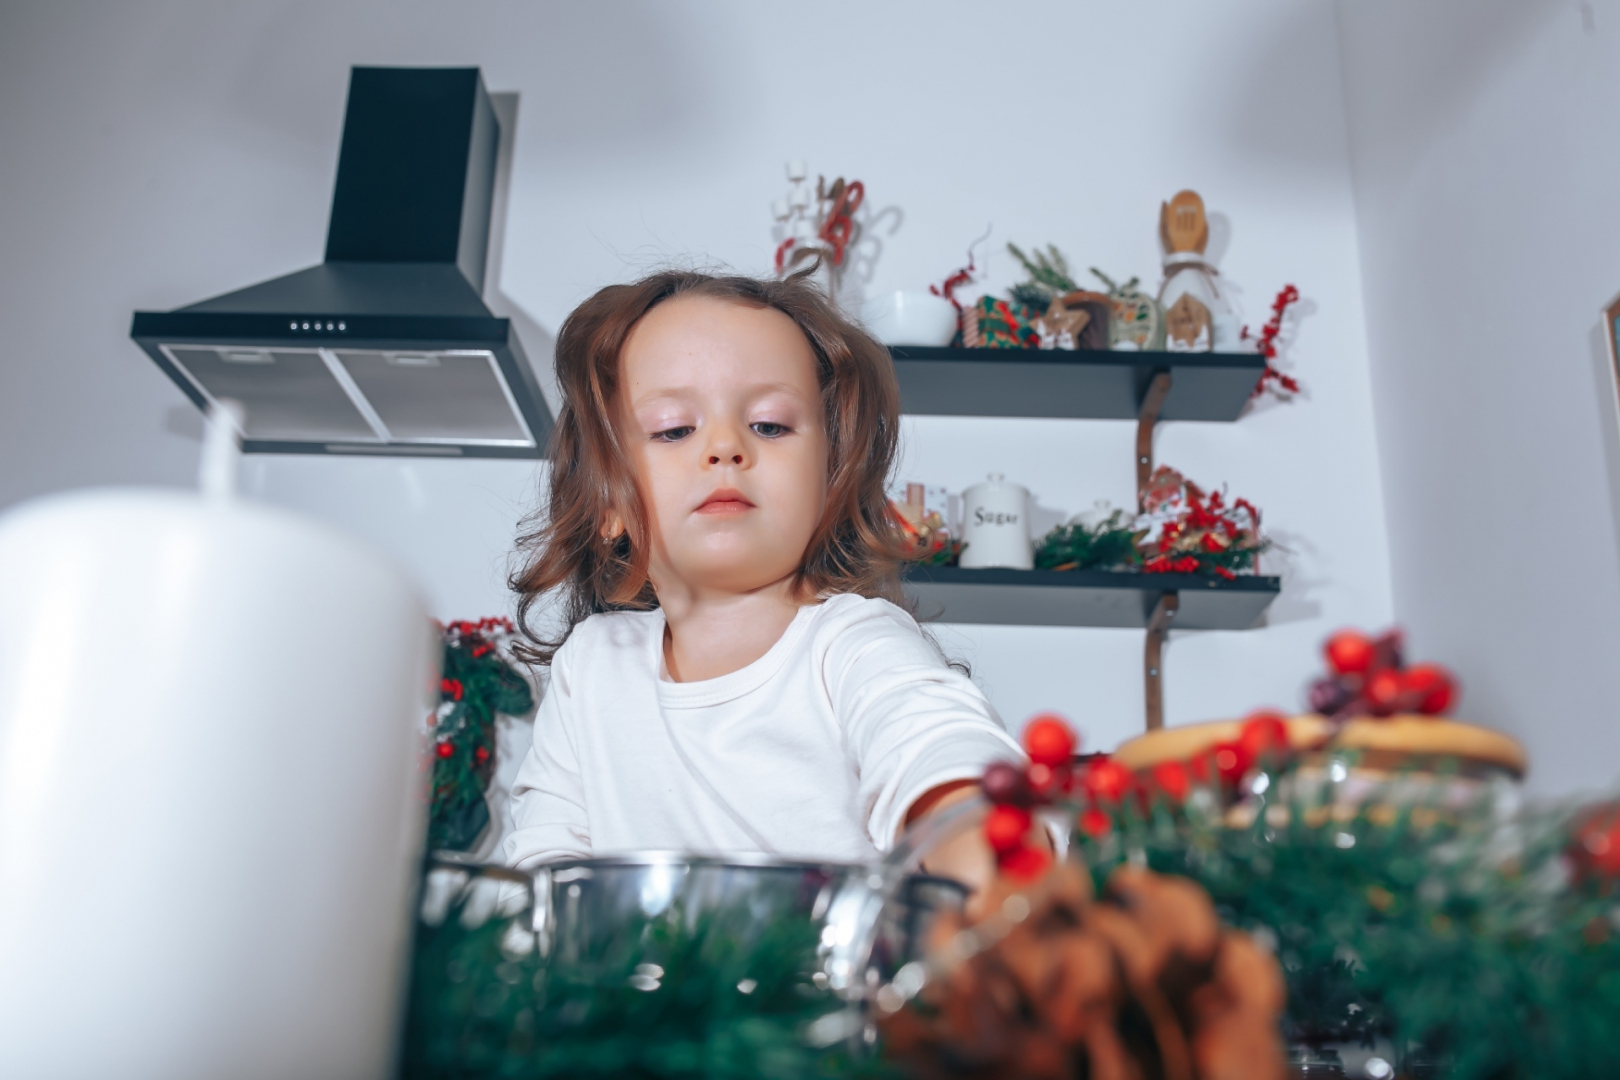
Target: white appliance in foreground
(212, 789)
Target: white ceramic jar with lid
(995, 525)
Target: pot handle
(854, 912)
(534, 886)
(917, 842)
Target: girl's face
(720, 409)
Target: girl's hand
(965, 857)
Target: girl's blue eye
(674, 434)
(765, 429)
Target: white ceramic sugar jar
(995, 525)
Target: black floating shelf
(953, 594)
(1084, 384)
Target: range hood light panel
(386, 347)
(451, 397)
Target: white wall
(155, 153)
(1487, 150)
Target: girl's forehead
(694, 340)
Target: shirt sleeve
(911, 722)
(548, 797)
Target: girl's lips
(725, 501)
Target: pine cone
(1143, 984)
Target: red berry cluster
(1049, 775)
(476, 636)
(1099, 787)
(1369, 677)
(1595, 847)
(1207, 529)
(1262, 740)
(1266, 345)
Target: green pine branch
(1455, 933)
(1048, 271)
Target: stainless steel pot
(868, 925)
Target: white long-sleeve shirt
(814, 751)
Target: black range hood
(386, 347)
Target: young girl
(734, 675)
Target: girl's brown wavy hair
(855, 547)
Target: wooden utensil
(1182, 224)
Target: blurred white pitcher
(211, 788)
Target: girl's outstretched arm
(548, 796)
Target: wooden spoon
(1182, 225)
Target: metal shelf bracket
(1152, 406)
(1158, 629)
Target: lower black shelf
(952, 594)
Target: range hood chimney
(386, 347)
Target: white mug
(995, 525)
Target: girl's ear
(612, 526)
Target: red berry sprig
(1266, 345)
(1049, 776)
(1262, 740)
(1595, 845)
(1368, 676)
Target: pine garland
(1110, 544)
(478, 684)
(1049, 276)
(726, 998)
(1461, 935)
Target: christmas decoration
(1142, 981)
(483, 1004)
(1594, 850)
(478, 683)
(1474, 941)
(955, 280)
(995, 324)
(1049, 277)
(1138, 321)
(1479, 941)
(1049, 741)
(1368, 677)
(929, 538)
(1054, 982)
(1075, 320)
(963, 275)
(1186, 530)
(1106, 540)
(819, 225)
(1266, 345)
(1064, 315)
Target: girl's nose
(726, 447)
